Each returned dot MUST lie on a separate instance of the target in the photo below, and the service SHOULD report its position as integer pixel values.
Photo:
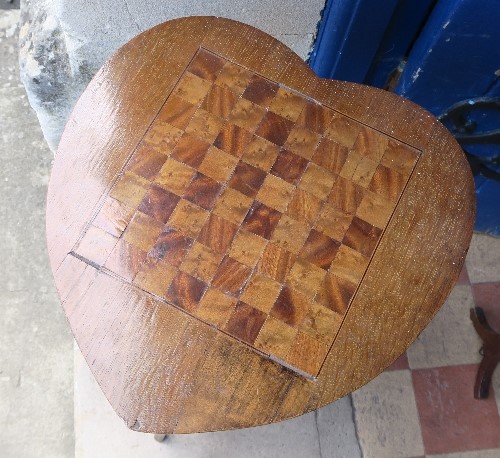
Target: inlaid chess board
(253, 208)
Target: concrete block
(63, 43)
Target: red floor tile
(463, 278)
(451, 419)
(487, 296)
(400, 364)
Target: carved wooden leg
(491, 352)
(160, 437)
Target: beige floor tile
(450, 338)
(471, 454)
(483, 259)
(386, 417)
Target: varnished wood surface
(237, 242)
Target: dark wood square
(275, 128)
(203, 191)
(177, 112)
(125, 260)
(186, 291)
(217, 233)
(319, 249)
(231, 276)
(289, 166)
(315, 116)
(245, 322)
(206, 65)
(346, 195)
(159, 203)
(171, 246)
(190, 150)
(247, 179)
(146, 162)
(336, 293)
(261, 220)
(330, 155)
(362, 236)
(387, 182)
(291, 306)
(233, 139)
(260, 91)
(219, 101)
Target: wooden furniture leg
(491, 352)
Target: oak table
(236, 241)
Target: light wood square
(302, 141)
(275, 338)
(130, 189)
(306, 277)
(317, 180)
(290, 234)
(261, 153)
(142, 231)
(275, 193)
(175, 176)
(349, 264)
(218, 164)
(192, 88)
(188, 218)
(364, 172)
(246, 114)
(205, 125)
(375, 209)
(216, 307)
(288, 104)
(232, 205)
(261, 292)
(333, 222)
(155, 276)
(247, 248)
(201, 262)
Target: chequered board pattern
(253, 208)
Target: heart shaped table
(236, 241)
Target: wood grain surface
(237, 242)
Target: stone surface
(450, 337)
(328, 432)
(63, 43)
(387, 418)
(470, 454)
(483, 259)
(36, 366)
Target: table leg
(491, 352)
(160, 437)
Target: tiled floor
(423, 405)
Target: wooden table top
(236, 241)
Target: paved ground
(50, 405)
(36, 349)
